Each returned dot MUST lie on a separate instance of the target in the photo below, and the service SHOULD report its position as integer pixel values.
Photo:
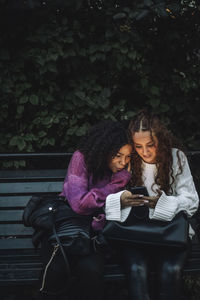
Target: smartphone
(140, 190)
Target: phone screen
(140, 190)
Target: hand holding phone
(128, 199)
(142, 190)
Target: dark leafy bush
(65, 65)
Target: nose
(145, 151)
(123, 161)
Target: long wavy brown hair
(145, 121)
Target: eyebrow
(152, 142)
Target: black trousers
(167, 264)
(87, 272)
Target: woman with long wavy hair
(159, 164)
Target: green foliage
(70, 64)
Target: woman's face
(121, 159)
(145, 146)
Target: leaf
(154, 102)
(41, 61)
(21, 144)
(132, 55)
(52, 68)
(45, 142)
(104, 103)
(69, 39)
(49, 98)
(124, 50)
(33, 99)
(18, 141)
(93, 49)
(128, 115)
(28, 137)
(46, 121)
(22, 163)
(23, 99)
(72, 130)
(155, 91)
(42, 133)
(93, 58)
(106, 93)
(13, 141)
(20, 109)
(56, 120)
(144, 82)
(119, 16)
(80, 94)
(81, 131)
(52, 141)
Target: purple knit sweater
(85, 197)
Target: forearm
(86, 201)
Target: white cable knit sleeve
(113, 208)
(185, 196)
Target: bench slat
(16, 275)
(29, 175)
(30, 187)
(13, 201)
(23, 265)
(11, 215)
(14, 230)
(16, 243)
(28, 257)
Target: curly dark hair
(146, 121)
(100, 144)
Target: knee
(137, 270)
(172, 270)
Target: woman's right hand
(128, 199)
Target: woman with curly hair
(100, 166)
(163, 169)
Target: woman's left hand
(153, 199)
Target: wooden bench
(20, 263)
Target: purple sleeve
(76, 186)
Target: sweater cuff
(165, 209)
(113, 208)
(124, 213)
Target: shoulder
(77, 155)
(178, 156)
(178, 153)
(77, 158)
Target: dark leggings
(87, 272)
(167, 264)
